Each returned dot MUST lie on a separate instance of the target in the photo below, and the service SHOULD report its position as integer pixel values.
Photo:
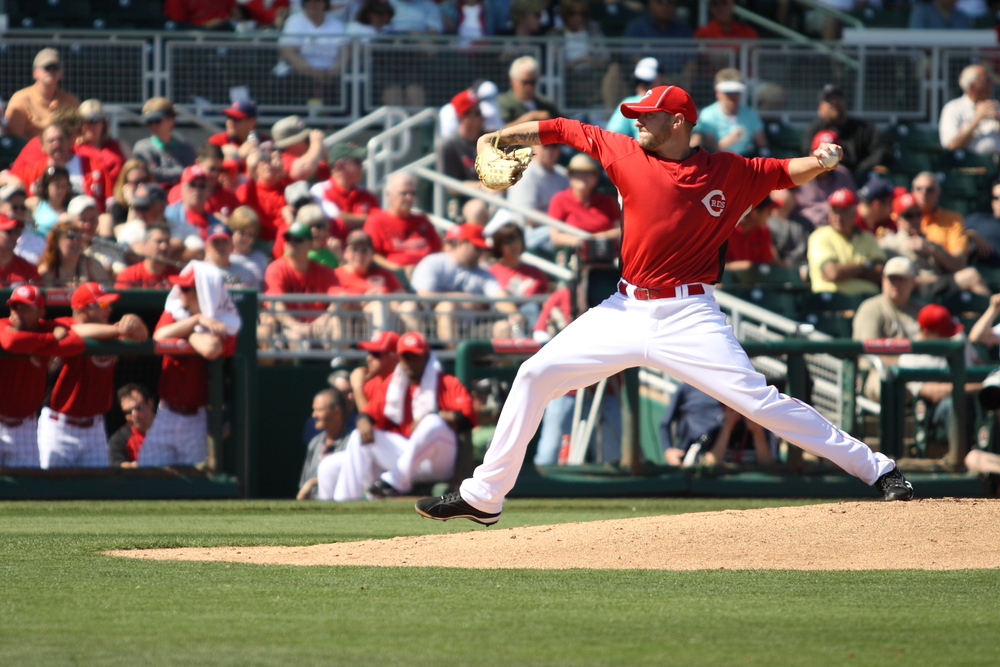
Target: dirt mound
(945, 534)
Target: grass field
(62, 603)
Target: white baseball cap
(79, 204)
(487, 90)
(731, 87)
(898, 266)
(647, 69)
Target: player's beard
(650, 142)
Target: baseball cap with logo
(670, 99)
(191, 173)
(842, 198)
(28, 294)
(469, 231)
(824, 137)
(241, 109)
(46, 57)
(898, 266)
(89, 293)
(647, 69)
(903, 202)
(381, 341)
(298, 231)
(7, 224)
(289, 131)
(219, 231)
(414, 343)
(463, 102)
(935, 318)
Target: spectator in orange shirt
(30, 109)
(723, 24)
(400, 237)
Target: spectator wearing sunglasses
(166, 155)
(13, 268)
(192, 209)
(30, 244)
(64, 262)
(30, 109)
(522, 103)
(221, 201)
(124, 444)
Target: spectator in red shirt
(400, 237)
(71, 429)
(301, 149)
(191, 211)
(751, 242)
(150, 273)
(295, 273)
(723, 24)
(221, 201)
(514, 276)
(581, 207)
(407, 431)
(359, 275)
(139, 410)
(266, 13)
(199, 311)
(241, 128)
(96, 143)
(205, 14)
(13, 269)
(264, 192)
(22, 391)
(340, 197)
(366, 381)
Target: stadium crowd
(271, 209)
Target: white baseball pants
(328, 473)
(19, 444)
(64, 445)
(428, 455)
(686, 337)
(174, 439)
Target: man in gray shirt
(166, 155)
(330, 413)
(540, 181)
(456, 271)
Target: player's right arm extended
(522, 134)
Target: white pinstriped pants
(686, 337)
(19, 444)
(174, 439)
(63, 445)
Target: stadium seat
(830, 302)
(883, 18)
(54, 14)
(781, 303)
(838, 326)
(914, 137)
(10, 147)
(784, 141)
(140, 14)
(965, 302)
(769, 276)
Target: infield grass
(62, 603)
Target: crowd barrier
(200, 70)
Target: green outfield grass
(62, 603)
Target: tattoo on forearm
(520, 139)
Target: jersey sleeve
(455, 397)
(42, 343)
(600, 144)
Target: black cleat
(451, 506)
(894, 486)
(381, 489)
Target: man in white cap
(30, 109)
(487, 92)
(646, 75)
(727, 124)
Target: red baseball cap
(89, 293)
(7, 224)
(842, 197)
(185, 279)
(469, 231)
(903, 202)
(670, 99)
(824, 137)
(935, 317)
(193, 172)
(464, 101)
(382, 341)
(28, 294)
(414, 343)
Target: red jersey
(267, 202)
(263, 11)
(677, 213)
(138, 276)
(110, 155)
(522, 280)
(322, 172)
(18, 270)
(451, 395)
(599, 215)
(737, 30)
(403, 242)
(184, 378)
(754, 246)
(97, 182)
(376, 278)
(374, 386)
(222, 200)
(23, 387)
(85, 386)
(282, 278)
(358, 201)
(197, 12)
(134, 444)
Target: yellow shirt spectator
(828, 245)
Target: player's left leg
(19, 444)
(430, 453)
(328, 473)
(191, 443)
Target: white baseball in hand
(828, 156)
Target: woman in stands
(95, 140)
(132, 173)
(63, 261)
(55, 192)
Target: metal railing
(883, 82)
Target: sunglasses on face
(72, 236)
(925, 188)
(53, 68)
(529, 82)
(408, 193)
(363, 249)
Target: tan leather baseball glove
(499, 168)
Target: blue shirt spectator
(939, 15)
(695, 414)
(416, 16)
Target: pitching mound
(946, 534)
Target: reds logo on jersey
(103, 360)
(715, 203)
